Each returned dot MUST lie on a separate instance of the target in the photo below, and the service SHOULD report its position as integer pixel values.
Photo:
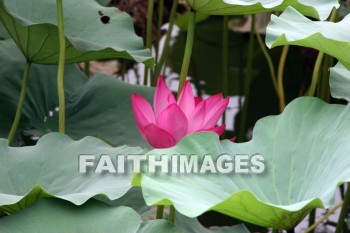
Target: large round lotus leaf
(339, 82)
(3, 32)
(133, 199)
(293, 28)
(103, 2)
(158, 226)
(51, 168)
(102, 108)
(320, 9)
(86, 101)
(182, 20)
(33, 25)
(192, 225)
(41, 98)
(306, 151)
(57, 216)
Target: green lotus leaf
(41, 98)
(192, 225)
(51, 169)
(235, 229)
(320, 10)
(182, 19)
(343, 10)
(306, 156)
(103, 2)
(105, 97)
(133, 199)
(86, 101)
(56, 216)
(3, 32)
(293, 28)
(340, 82)
(33, 26)
(158, 226)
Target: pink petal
(163, 97)
(158, 138)
(174, 121)
(213, 115)
(233, 139)
(212, 101)
(197, 100)
(186, 99)
(141, 130)
(195, 122)
(218, 129)
(142, 111)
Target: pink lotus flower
(170, 120)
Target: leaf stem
(87, 68)
(280, 72)
(225, 44)
(248, 79)
(160, 212)
(188, 50)
(159, 25)
(268, 59)
(172, 214)
(324, 92)
(316, 74)
(344, 210)
(124, 66)
(22, 96)
(318, 64)
(225, 67)
(149, 34)
(61, 63)
(166, 46)
(312, 217)
(324, 217)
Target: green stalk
(164, 56)
(60, 73)
(160, 23)
(268, 59)
(315, 74)
(188, 51)
(324, 217)
(164, 67)
(325, 92)
(172, 214)
(87, 68)
(225, 56)
(124, 69)
(281, 66)
(248, 79)
(22, 97)
(160, 212)
(318, 64)
(225, 48)
(312, 218)
(344, 211)
(149, 34)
